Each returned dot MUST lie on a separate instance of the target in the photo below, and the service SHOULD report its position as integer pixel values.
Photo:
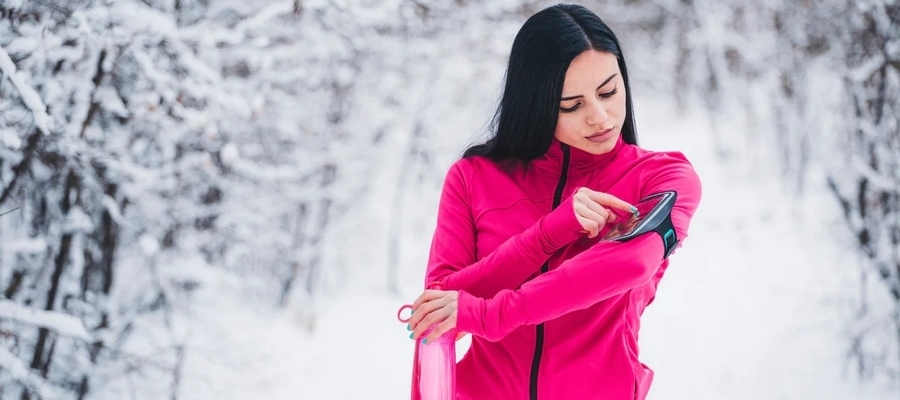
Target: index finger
(607, 199)
(425, 297)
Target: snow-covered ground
(751, 308)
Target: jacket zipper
(539, 339)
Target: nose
(597, 114)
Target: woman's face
(592, 109)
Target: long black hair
(525, 121)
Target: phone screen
(625, 224)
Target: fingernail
(424, 341)
(408, 328)
(410, 335)
(633, 210)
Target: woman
(554, 312)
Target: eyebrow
(598, 88)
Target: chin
(601, 148)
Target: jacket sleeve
(452, 257)
(604, 270)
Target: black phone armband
(654, 215)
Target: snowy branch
(29, 95)
(235, 35)
(882, 182)
(866, 69)
(61, 323)
(24, 375)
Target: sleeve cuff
(469, 314)
(560, 227)
(491, 319)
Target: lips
(600, 136)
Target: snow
(27, 246)
(148, 245)
(229, 154)
(752, 306)
(55, 321)
(15, 367)
(113, 209)
(29, 96)
(9, 139)
(77, 221)
(334, 126)
(869, 67)
(267, 173)
(874, 177)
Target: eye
(571, 109)
(609, 94)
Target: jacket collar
(580, 162)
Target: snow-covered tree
(102, 114)
(156, 146)
(866, 180)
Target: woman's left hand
(434, 307)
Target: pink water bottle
(434, 364)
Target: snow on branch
(238, 33)
(266, 15)
(29, 95)
(881, 181)
(64, 324)
(144, 21)
(866, 69)
(24, 375)
(892, 49)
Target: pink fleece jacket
(554, 315)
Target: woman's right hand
(592, 209)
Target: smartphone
(653, 212)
